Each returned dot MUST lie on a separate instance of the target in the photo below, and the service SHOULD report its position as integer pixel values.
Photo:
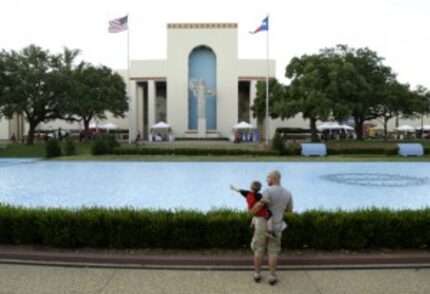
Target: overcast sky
(398, 30)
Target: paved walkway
(57, 279)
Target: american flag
(118, 25)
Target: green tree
(276, 93)
(96, 91)
(364, 84)
(397, 99)
(3, 77)
(36, 84)
(421, 102)
(309, 90)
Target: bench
(313, 149)
(410, 149)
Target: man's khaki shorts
(261, 243)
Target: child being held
(252, 197)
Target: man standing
(278, 200)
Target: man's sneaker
(273, 280)
(257, 278)
(271, 234)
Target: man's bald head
(274, 178)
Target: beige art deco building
(167, 90)
(159, 90)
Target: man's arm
(257, 206)
(289, 208)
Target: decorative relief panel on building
(202, 25)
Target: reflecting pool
(205, 185)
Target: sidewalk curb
(326, 260)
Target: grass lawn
(83, 149)
(181, 158)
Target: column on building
(139, 112)
(161, 101)
(151, 104)
(17, 126)
(133, 108)
(252, 96)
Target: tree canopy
(276, 92)
(96, 91)
(37, 83)
(341, 83)
(309, 91)
(44, 86)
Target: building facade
(201, 55)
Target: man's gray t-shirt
(277, 199)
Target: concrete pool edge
(327, 260)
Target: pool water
(205, 185)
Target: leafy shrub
(192, 152)
(364, 151)
(391, 151)
(129, 228)
(293, 130)
(52, 148)
(111, 142)
(69, 148)
(293, 151)
(99, 147)
(278, 143)
(104, 145)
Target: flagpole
(128, 51)
(267, 83)
(128, 81)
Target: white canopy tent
(243, 126)
(108, 126)
(160, 132)
(406, 128)
(347, 128)
(333, 126)
(161, 126)
(425, 128)
(335, 130)
(243, 132)
(329, 126)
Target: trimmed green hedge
(364, 151)
(288, 150)
(192, 152)
(104, 145)
(129, 228)
(52, 148)
(293, 130)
